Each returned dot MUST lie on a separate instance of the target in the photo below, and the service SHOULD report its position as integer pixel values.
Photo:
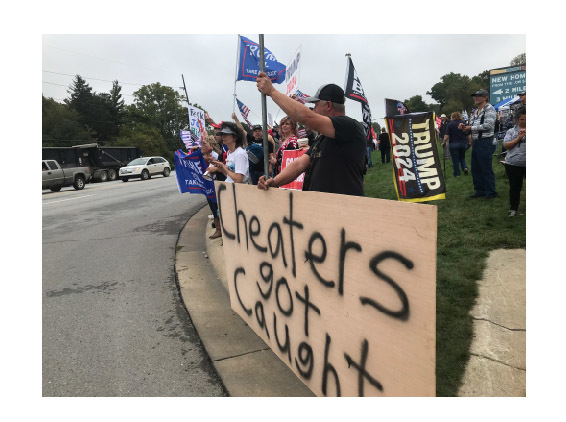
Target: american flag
(244, 111)
(301, 97)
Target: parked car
(145, 167)
(54, 177)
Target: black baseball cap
(328, 92)
(256, 127)
(481, 93)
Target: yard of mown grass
(467, 230)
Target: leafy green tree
(61, 125)
(80, 98)
(482, 80)
(160, 107)
(453, 92)
(143, 136)
(376, 128)
(416, 103)
(103, 113)
(521, 59)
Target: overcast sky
(388, 66)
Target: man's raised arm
(294, 109)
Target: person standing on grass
(457, 143)
(384, 146)
(481, 127)
(515, 142)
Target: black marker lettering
(279, 243)
(292, 224)
(361, 367)
(287, 346)
(238, 271)
(227, 234)
(344, 246)
(283, 282)
(402, 314)
(268, 278)
(260, 317)
(328, 367)
(315, 259)
(254, 233)
(239, 213)
(308, 305)
(306, 358)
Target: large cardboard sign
(347, 303)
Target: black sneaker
(494, 196)
(466, 172)
(475, 195)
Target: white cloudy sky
(389, 66)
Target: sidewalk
(497, 366)
(248, 368)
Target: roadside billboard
(506, 82)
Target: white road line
(70, 199)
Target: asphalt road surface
(113, 320)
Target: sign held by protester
(416, 163)
(249, 63)
(292, 74)
(348, 305)
(197, 125)
(289, 156)
(189, 169)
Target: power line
(109, 60)
(94, 79)
(67, 86)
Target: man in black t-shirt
(335, 162)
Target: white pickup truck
(55, 177)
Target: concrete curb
(246, 365)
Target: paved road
(113, 320)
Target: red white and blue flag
(244, 111)
(300, 96)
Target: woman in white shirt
(236, 168)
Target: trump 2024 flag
(249, 63)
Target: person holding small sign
(335, 162)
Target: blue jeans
(368, 149)
(482, 171)
(458, 154)
(255, 175)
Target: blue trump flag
(249, 63)
(188, 170)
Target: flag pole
(236, 76)
(263, 110)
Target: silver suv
(145, 167)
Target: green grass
(467, 230)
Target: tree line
(153, 121)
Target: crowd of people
(480, 132)
(337, 151)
